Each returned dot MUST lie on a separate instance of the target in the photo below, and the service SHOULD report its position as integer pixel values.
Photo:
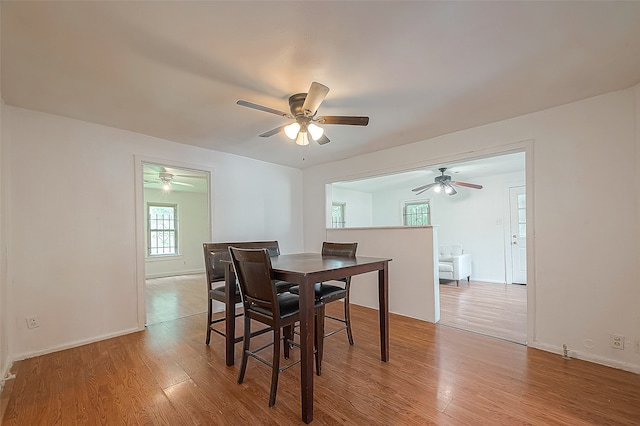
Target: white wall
(577, 216)
(415, 294)
(74, 258)
(358, 209)
(478, 220)
(193, 230)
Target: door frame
(526, 146)
(140, 212)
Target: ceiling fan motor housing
(165, 177)
(295, 104)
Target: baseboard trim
(608, 362)
(75, 344)
(6, 375)
(487, 280)
(174, 274)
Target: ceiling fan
(444, 183)
(303, 107)
(158, 174)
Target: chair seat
(288, 306)
(324, 292)
(282, 286)
(218, 292)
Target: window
(163, 221)
(522, 215)
(416, 214)
(337, 215)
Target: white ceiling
(175, 70)
(467, 171)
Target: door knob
(515, 243)
(515, 236)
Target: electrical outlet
(32, 322)
(616, 341)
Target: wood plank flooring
(166, 375)
(170, 298)
(497, 310)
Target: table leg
(307, 304)
(383, 300)
(230, 313)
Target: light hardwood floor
(170, 298)
(166, 375)
(497, 310)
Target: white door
(518, 226)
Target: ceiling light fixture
(301, 130)
(316, 131)
(302, 138)
(292, 130)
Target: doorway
(176, 216)
(490, 225)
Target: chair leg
(287, 332)
(457, 283)
(245, 348)
(276, 366)
(347, 315)
(469, 279)
(209, 316)
(319, 338)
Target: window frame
(343, 208)
(407, 203)
(150, 229)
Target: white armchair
(454, 264)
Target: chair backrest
(255, 276)
(339, 249)
(215, 253)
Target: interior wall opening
(176, 222)
(479, 208)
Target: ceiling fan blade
(190, 176)
(468, 185)
(154, 168)
(323, 140)
(424, 188)
(263, 108)
(315, 96)
(180, 183)
(272, 131)
(342, 119)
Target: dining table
(305, 270)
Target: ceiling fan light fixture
(302, 138)
(292, 130)
(448, 189)
(437, 188)
(315, 131)
(166, 186)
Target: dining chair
(215, 256)
(263, 303)
(327, 293)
